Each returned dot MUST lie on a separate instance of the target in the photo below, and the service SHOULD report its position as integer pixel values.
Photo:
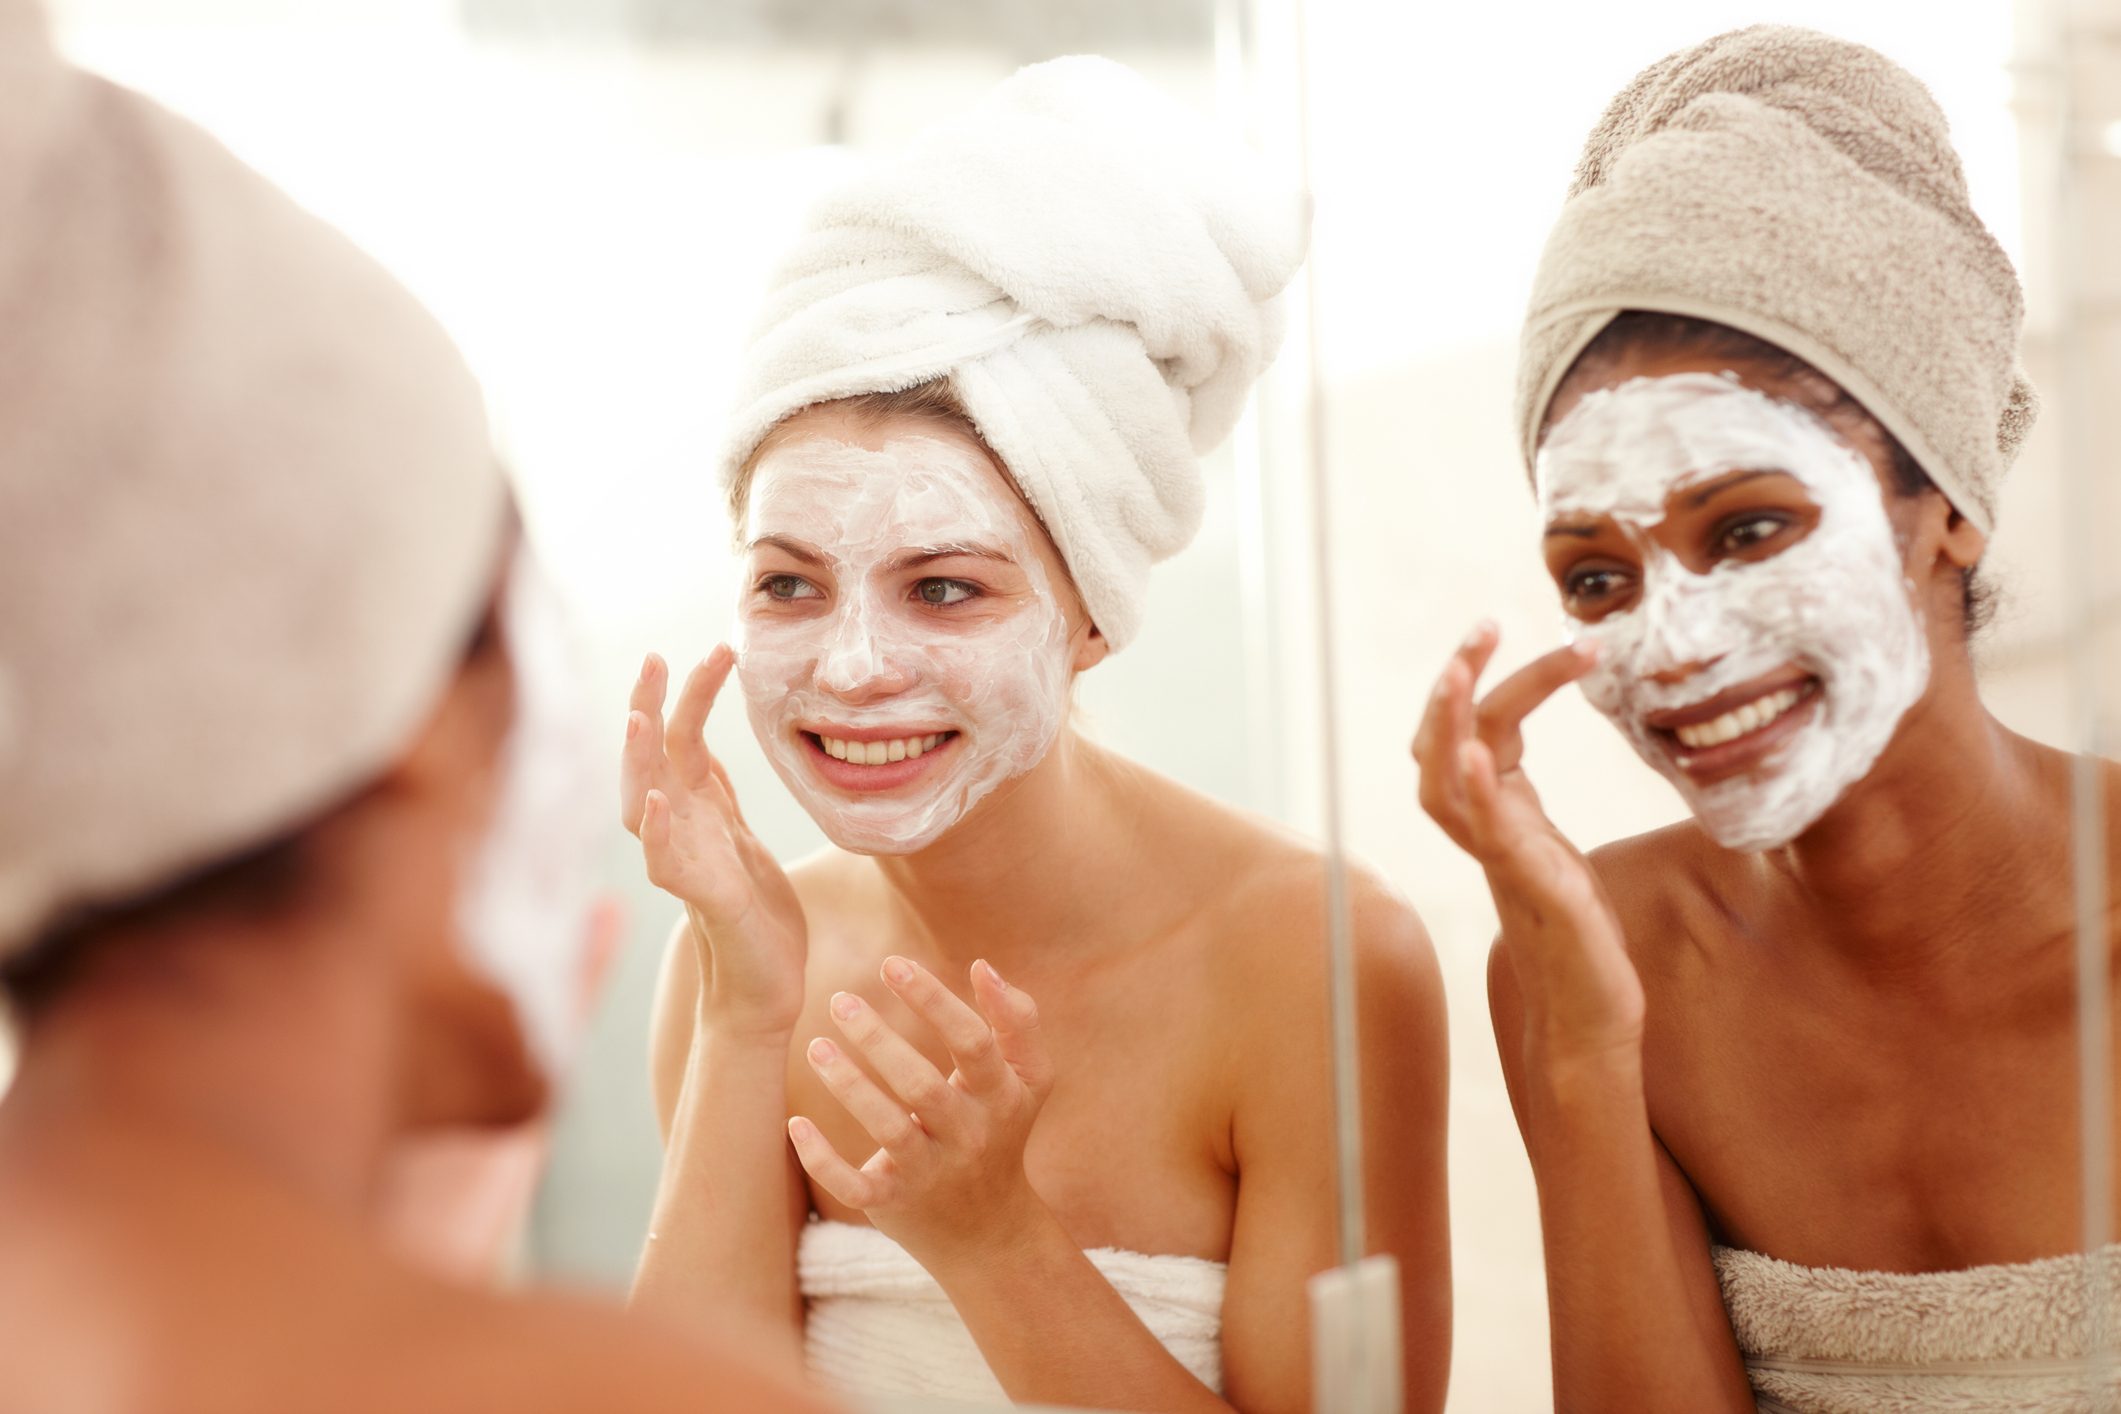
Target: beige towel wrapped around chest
(1827, 1340)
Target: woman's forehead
(1627, 449)
(907, 486)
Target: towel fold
(879, 1324)
(1804, 190)
(1825, 1340)
(1095, 271)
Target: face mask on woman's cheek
(881, 667)
(1836, 605)
(524, 913)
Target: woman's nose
(859, 665)
(1683, 630)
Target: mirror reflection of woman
(1019, 1088)
(1798, 1076)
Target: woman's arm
(1637, 1323)
(725, 1219)
(1287, 1210)
(1636, 1314)
(731, 1200)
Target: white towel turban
(249, 509)
(1093, 268)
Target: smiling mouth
(1737, 729)
(879, 753)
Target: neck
(1033, 868)
(268, 1052)
(1951, 844)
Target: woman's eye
(944, 591)
(1736, 536)
(1592, 586)
(787, 587)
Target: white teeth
(878, 753)
(1739, 721)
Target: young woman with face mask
(1020, 1088)
(1797, 1076)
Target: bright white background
(595, 223)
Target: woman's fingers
(641, 759)
(886, 1119)
(1436, 746)
(1014, 1017)
(686, 741)
(969, 1036)
(857, 1188)
(1501, 714)
(916, 1083)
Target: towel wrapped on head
(1802, 189)
(1094, 270)
(249, 512)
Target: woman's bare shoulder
(1263, 891)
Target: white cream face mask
(525, 911)
(1835, 605)
(890, 682)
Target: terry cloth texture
(249, 508)
(878, 1324)
(1823, 1340)
(1802, 189)
(1095, 271)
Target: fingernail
(994, 976)
(800, 1128)
(823, 1052)
(633, 725)
(898, 970)
(845, 1005)
(647, 665)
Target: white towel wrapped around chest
(878, 1324)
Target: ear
(1961, 541)
(1092, 650)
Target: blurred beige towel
(1802, 189)
(1823, 1340)
(249, 509)
(878, 1324)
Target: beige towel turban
(1095, 271)
(1802, 189)
(248, 506)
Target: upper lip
(1710, 708)
(891, 733)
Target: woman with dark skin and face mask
(1798, 1076)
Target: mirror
(1443, 528)
(592, 198)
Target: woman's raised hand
(746, 923)
(948, 1178)
(1581, 994)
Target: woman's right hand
(746, 923)
(1582, 997)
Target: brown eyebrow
(1581, 532)
(928, 554)
(794, 549)
(1717, 488)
